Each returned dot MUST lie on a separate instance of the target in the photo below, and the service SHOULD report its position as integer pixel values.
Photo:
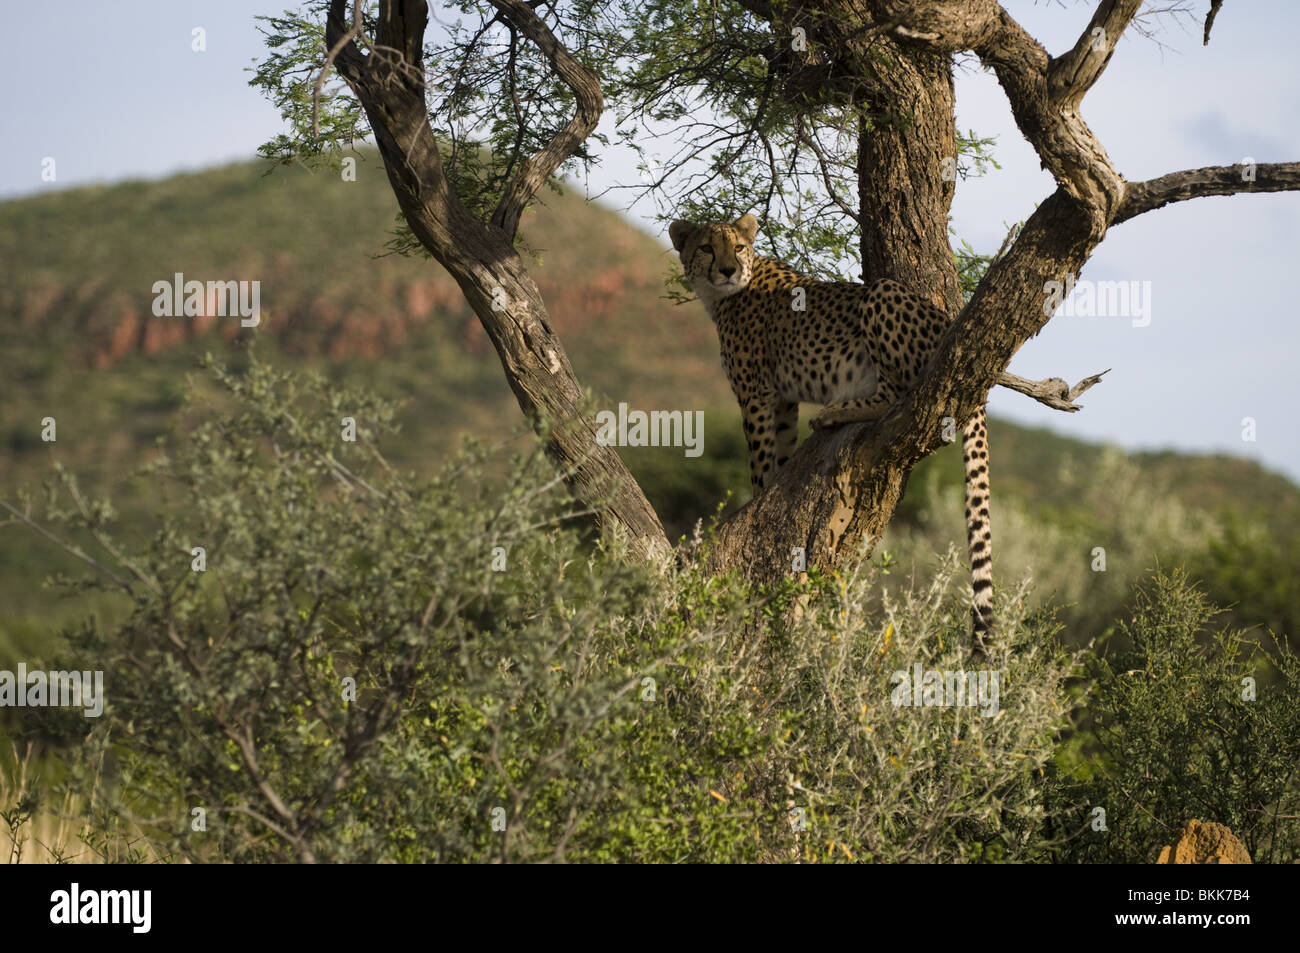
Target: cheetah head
(718, 258)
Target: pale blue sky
(1224, 332)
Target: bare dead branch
(1052, 391)
(1156, 193)
(1073, 74)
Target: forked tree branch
(337, 48)
(480, 255)
(536, 169)
(342, 51)
(1052, 391)
(835, 496)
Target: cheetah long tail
(975, 456)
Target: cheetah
(854, 348)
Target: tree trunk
(482, 259)
(838, 492)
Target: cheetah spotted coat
(853, 348)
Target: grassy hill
(78, 267)
(83, 346)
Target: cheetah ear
(680, 232)
(748, 226)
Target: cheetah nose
(727, 272)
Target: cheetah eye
(707, 248)
(740, 248)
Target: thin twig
(65, 545)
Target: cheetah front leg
(787, 431)
(760, 418)
(856, 411)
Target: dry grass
(33, 831)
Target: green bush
(1252, 566)
(376, 667)
(1057, 545)
(570, 706)
(1192, 722)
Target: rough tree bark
(480, 256)
(840, 489)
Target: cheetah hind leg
(855, 411)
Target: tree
(779, 75)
